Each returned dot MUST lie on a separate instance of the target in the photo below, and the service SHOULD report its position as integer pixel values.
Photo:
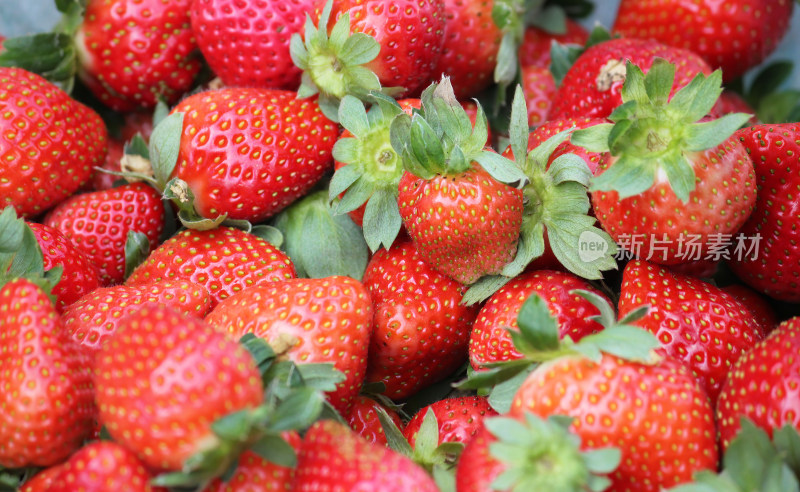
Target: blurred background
(19, 17)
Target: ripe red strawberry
(459, 418)
(98, 223)
(539, 88)
(535, 47)
(421, 329)
(324, 320)
(95, 317)
(254, 473)
(363, 419)
(740, 36)
(657, 415)
(79, 276)
(551, 128)
(47, 386)
(756, 303)
(762, 385)
(591, 87)
(163, 378)
(42, 481)
(131, 53)
(51, 143)
(224, 261)
(672, 190)
(696, 322)
(731, 102)
(103, 466)
(247, 44)
(477, 468)
(490, 341)
(454, 201)
(769, 262)
(248, 153)
(333, 458)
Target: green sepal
(382, 221)
(165, 146)
(502, 394)
(273, 448)
(483, 289)
(51, 55)
(518, 127)
(501, 169)
(320, 243)
(298, 411)
(537, 327)
(137, 248)
(137, 146)
(493, 375)
(394, 437)
(563, 56)
(551, 19)
(268, 233)
(344, 177)
(260, 350)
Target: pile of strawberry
(399, 245)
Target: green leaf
(634, 87)
(518, 129)
(165, 146)
(233, 427)
(607, 316)
(28, 261)
(137, 248)
(626, 176)
(355, 196)
(787, 442)
(552, 19)
(394, 437)
(344, 177)
(382, 220)
(426, 145)
(260, 350)
(502, 169)
(137, 146)
(537, 325)
(602, 460)
(268, 233)
(51, 55)
(695, 100)
(483, 289)
(298, 411)
(275, 449)
(502, 393)
(658, 81)
(428, 435)
(702, 136)
(353, 116)
(488, 378)
(624, 341)
(570, 167)
(359, 49)
(320, 376)
(594, 139)
(507, 61)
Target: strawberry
(535, 47)
(371, 44)
(696, 322)
(51, 143)
(96, 316)
(756, 303)
(47, 387)
(454, 198)
(731, 102)
(421, 329)
(79, 276)
(592, 85)
(762, 385)
(254, 473)
(672, 190)
(42, 481)
(491, 342)
(223, 260)
(363, 419)
(102, 180)
(101, 466)
(769, 260)
(740, 36)
(247, 175)
(163, 378)
(333, 457)
(247, 44)
(459, 418)
(539, 88)
(309, 321)
(552, 128)
(99, 223)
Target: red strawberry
(539, 88)
(536, 45)
(163, 378)
(95, 317)
(770, 256)
(47, 387)
(459, 418)
(42, 481)
(104, 180)
(490, 341)
(553, 127)
(363, 419)
(256, 474)
(756, 303)
(696, 322)
(103, 466)
(79, 276)
(591, 87)
(455, 204)
(223, 260)
(421, 327)
(51, 143)
(247, 44)
(734, 36)
(732, 102)
(309, 321)
(131, 53)
(98, 223)
(477, 468)
(763, 385)
(471, 42)
(248, 153)
(673, 189)
(333, 458)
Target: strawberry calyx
(320, 242)
(555, 200)
(21, 256)
(753, 461)
(563, 56)
(537, 339)
(543, 454)
(372, 168)
(333, 65)
(294, 399)
(652, 135)
(440, 139)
